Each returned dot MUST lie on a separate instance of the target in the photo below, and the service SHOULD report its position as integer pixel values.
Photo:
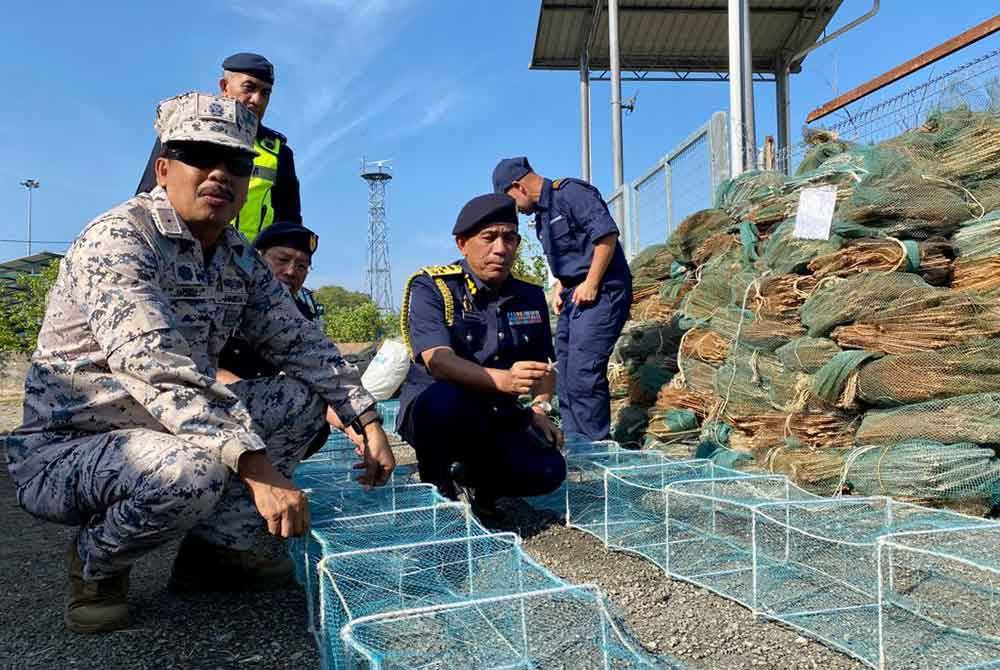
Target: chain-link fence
(974, 84)
(680, 183)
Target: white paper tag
(815, 215)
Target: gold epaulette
(441, 270)
(436, 272)
(559, 183)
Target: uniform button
(500, 335)
(469, 337)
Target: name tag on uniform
(524, 318)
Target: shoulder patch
(442, 270)
(559, 183)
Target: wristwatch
(545, 405)
(365, 418)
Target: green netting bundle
(670, 289)
(694, 230)
(919, 470)
(629, 426)
(715, 287)
(784, 253)
(820, 153)
(748, 330)
(736, 196)
(651, 266)
(655, 373)
(751, 381)
(845, 301)
(968, 418)
(902, 379)
(646, 339)
(961, 144)
(807, 354)
(978, 238)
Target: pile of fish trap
(866, 363)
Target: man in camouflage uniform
(126, 431)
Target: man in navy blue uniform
(479, 339)
(593, 289)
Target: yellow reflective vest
(257, 213)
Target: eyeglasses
(283, 261)
(205, 156)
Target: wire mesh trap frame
(379, 530)
(633, 515)
(404, 577)
(566, 627)
(335, 468)
(939, 599)
(708, 530)
(815, 564)
(586, 494)
(555, 502)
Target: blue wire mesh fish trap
(555, 502)
(939, 599)
(709, 537)
(626, 508)
(585, 491)
(561, 628)
(816, 564)
(404, 577)
(438, 521)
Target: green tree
(529, 264)
(335, 297)
(22, 308)
(360, 323)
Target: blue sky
(441, 87)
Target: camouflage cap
(201, 117)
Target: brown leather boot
(94, 606)
(201, 566)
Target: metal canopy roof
(676, 35)
(26, 264)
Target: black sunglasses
(206, 156)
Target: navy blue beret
(483, 210)
(287, 234)
(252, 64)
(508, 171)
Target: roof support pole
(616, 107)
(741, 109)
(782, 81)
(585, 116)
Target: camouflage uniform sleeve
(299, 347)
(114, 277)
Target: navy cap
(508, 171)
(252, 64)
(287, 234)
(484, 210)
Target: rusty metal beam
(970, 36)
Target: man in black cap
(287, 248)
(273, 194)
(593, 290)
(480, 339)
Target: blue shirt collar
(545, 197)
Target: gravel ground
(268, 630)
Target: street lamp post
(30, 185)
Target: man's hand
(542, 422)
(283, 505)
(379, 461)
(585, 293)
(523, 377)
(359, 441)
(226, 377)
(555, 297)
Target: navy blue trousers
(585, 338)
(446, 424)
